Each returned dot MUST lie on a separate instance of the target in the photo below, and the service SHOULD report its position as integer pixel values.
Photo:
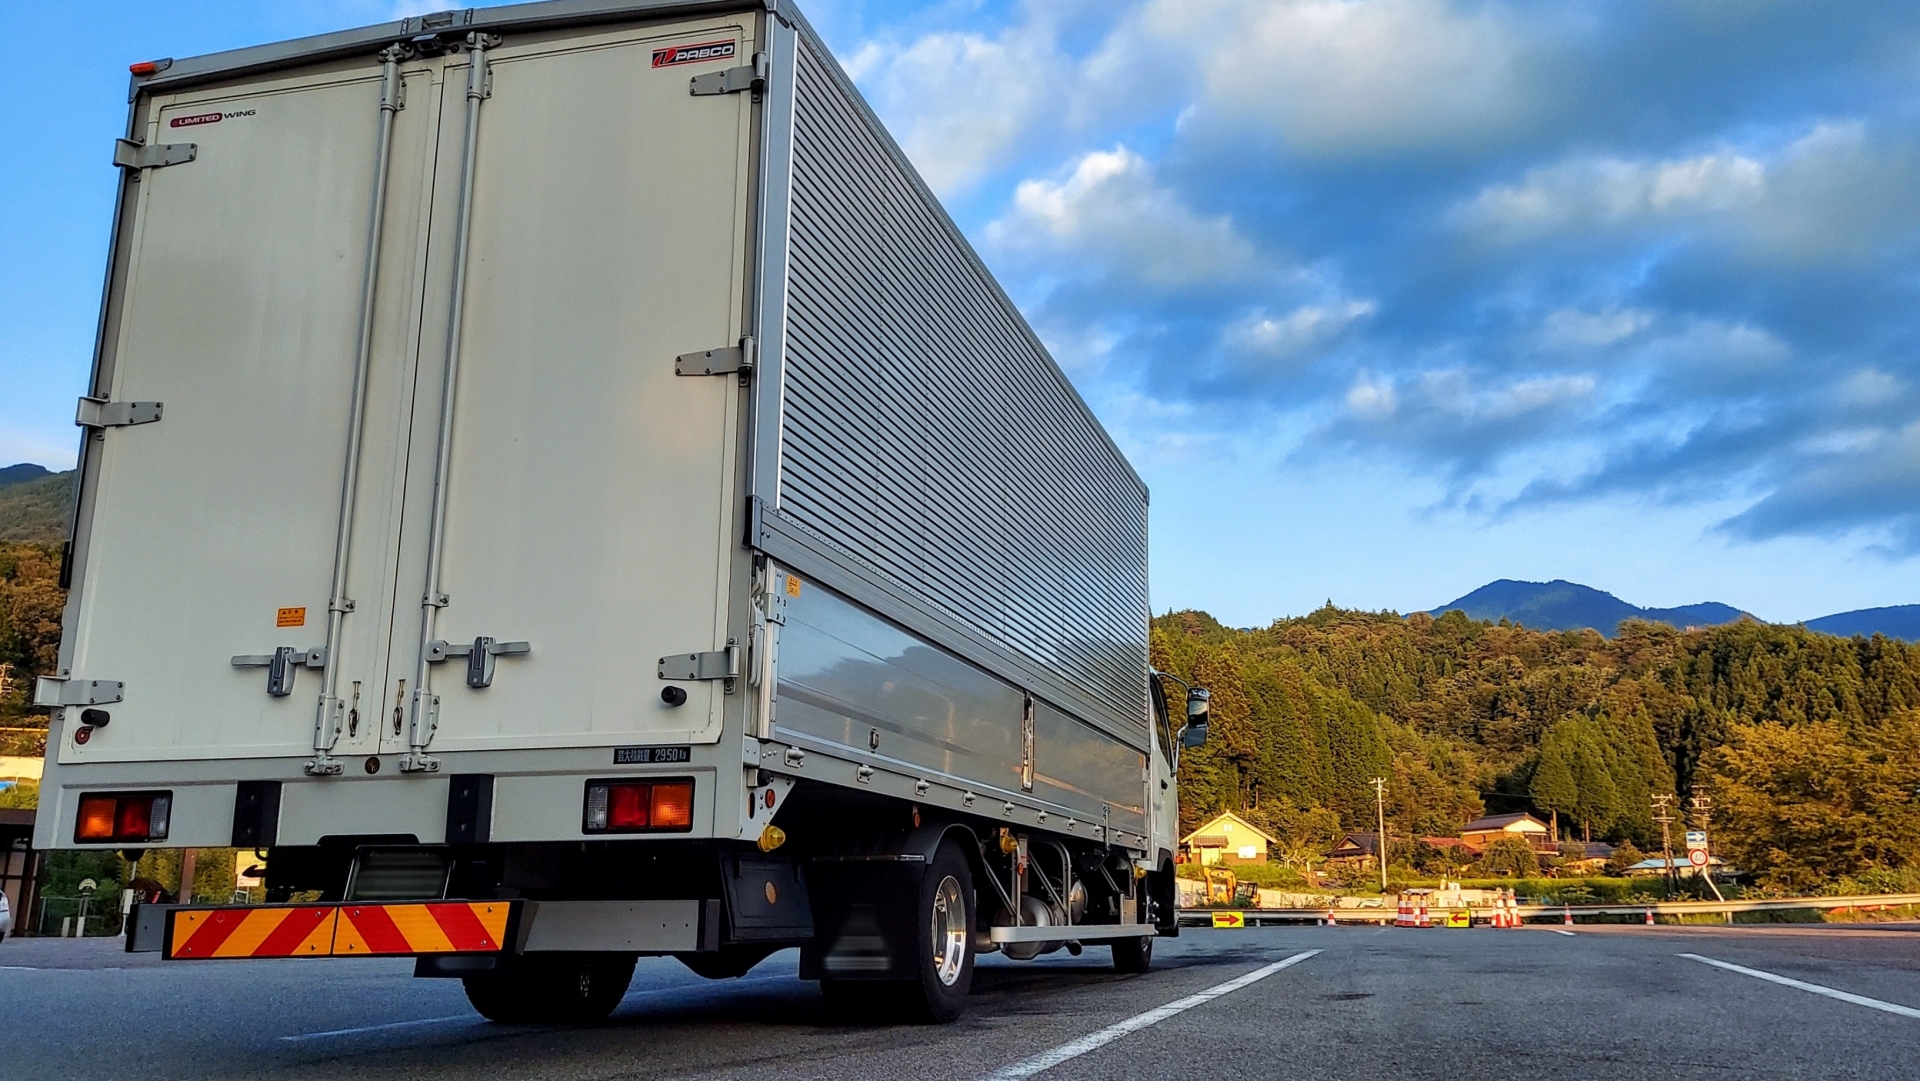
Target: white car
(6, 918)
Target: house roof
(1211, 828)
(1356, 844)
(1586, 850)
(1443, 842)
(1493, 823)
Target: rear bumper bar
(423, 929)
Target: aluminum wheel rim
(949, 931)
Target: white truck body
(467, 382)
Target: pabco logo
(198, 119)
(693, 54)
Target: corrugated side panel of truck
(589, 490)
(929, 447)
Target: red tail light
(123, 817)
(638, 807)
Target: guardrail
(1260, 917)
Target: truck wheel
(1132, 955)
(942, 955)
(555, 988)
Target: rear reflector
(638, 807)
(123, 817)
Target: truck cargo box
(547, 393)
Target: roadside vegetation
(1807, 744)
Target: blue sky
(1385, 298)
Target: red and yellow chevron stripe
(352, 930)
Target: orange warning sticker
(291, 617)
(793, 586)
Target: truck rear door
(211, 531)
(586, 503)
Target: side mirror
(1199, 706)
(1193, 735)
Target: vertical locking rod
(326, 722)
(425, 713)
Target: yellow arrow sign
(1229, 919)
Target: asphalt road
(1376, 1003)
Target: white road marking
(1046, 1060)
(18, 968)
(379, 1028)
(1786, 981)
(1569, 934)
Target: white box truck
(556, 483)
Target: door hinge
(101, 413)
(282, 665)
(736, 358)
(719, 664)
(479, 654)
(733, 80)
(52, 691)
(128, 154)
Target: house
(1584, 857)
(1227, 838)
(1481, 832)
(1656, 866)
(1355, 849)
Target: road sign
(1697, 857)
(1229, 919)
(1696, 839)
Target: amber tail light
(638, 807)
(123, 817)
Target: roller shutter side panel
(929, 438)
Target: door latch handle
(281, 666)
(479, 655)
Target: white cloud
(1592, 192)
(1869, 387)
(1570, 329)
(1453, 395)
(962, 104)
(1829, 193)
(1297, 331)
(1332, 76)
(1110, 208)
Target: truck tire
(1133, 955)
(553, 988)
(942, 955)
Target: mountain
(1898, 621)
(22, 473)
(1565, 606)
(34, 503)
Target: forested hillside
(1809, 743)
(33, 506)
(30, 602)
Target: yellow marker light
(771, 838)
(1009, 843)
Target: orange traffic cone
(1649, 917)
(1566, 915)
(1404, 917)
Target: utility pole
(1663, 814)
(1380, 808)
(1702, 819)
